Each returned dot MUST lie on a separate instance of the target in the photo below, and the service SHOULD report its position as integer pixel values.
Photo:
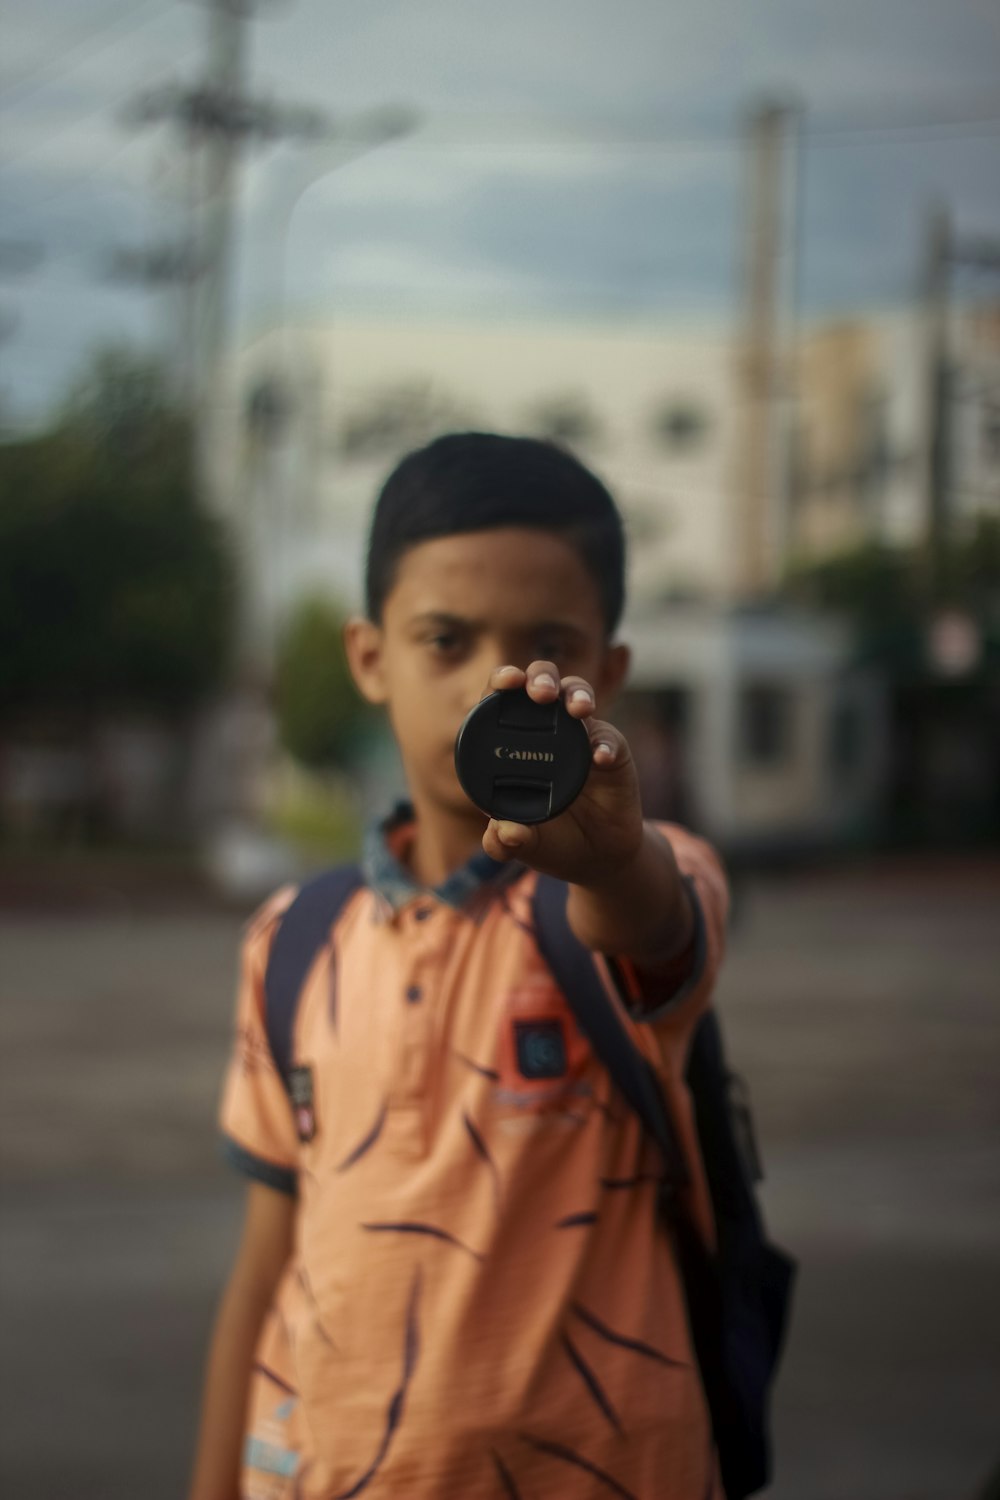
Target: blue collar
(390, 878)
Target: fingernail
(510, 834)
(580, 695)
(545, 680)
(603, 745)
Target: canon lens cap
(522, 760)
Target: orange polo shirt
(481, 1303)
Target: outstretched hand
(601, 832)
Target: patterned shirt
(481, 1303)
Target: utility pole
(769, 255)
(945, 253)
(937, 276)
(225, 131)
(216, 120)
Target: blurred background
(743, 260)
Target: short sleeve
(701, 869)
(255, 1116)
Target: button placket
(428, 944)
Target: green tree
(116, 589)
(891, 594)
(874, 583)
(320, 713)
(869, 583)
(121, 408)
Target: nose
(474, 690)
(492, 653)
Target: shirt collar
(387, 875)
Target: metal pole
(221, 147)
(936, 288)
(757, 482)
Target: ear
(363, 648)
(617, 660)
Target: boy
(451, 1283)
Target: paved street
(863, 1006)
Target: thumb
(504, 840)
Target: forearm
(224, 1400)
(641, 911)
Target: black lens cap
(522, 760)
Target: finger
(504, 841)
(501, 679)
(608, 746)
(578, 696)
(543, 681)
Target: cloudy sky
(573, 159)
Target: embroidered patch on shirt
(300, 1088)
(541, 1049)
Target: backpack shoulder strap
(725, 1129)
(573, 967)
(302, 932)
(738, 1296)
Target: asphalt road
(863, 1006)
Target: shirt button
(413, 993)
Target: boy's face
(459, 607)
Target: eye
(552, 648)
(446, 643)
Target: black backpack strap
(304, 929)
(573, 968)
(737, 1298)
(725, 1131)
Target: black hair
(479, 481)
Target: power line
(67, 58)
(466, 133)
(452, 132)
(67, 127)
(81, 179)
(917, 131)
(842, 136)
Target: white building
(648, 409)
(776, 740)
(862, 423)
(753, 727)
(653, 409)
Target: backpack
(738, 1297)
